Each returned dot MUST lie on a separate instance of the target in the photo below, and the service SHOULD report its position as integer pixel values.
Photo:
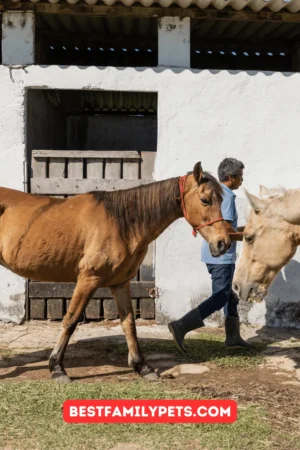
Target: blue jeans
(222, 294)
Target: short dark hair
(229, 167)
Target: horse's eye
(249, 239)
(204, 201)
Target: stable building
(108, 95)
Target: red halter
(182, 181)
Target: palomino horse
(271, 237)
(100, 239)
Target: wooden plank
(147, 266)
(134, 306)
(147, 165)
(75, 168)
(110, 309)
(57, 168)
(130, 154)
(153, 11)
(147, 308)
(38, 167)
(65, 290)
(37, 308)
(94, 168)
(135, 278)
(147, 170)
(27, 301)
(112, 169)
(131, 169)
(55, 308)
(93, 309)
(64, 186)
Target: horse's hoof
(151, 376)
(60, 377)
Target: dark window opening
(234, 45)
(98, 41)
(91, 120)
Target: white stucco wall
(12, 157)
(174, 41)
(202, 115)
(18, 30)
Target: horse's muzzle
(219, 248)
(250, 292)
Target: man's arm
(227, 212)
(229, 227)
(235, 235)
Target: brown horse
(100, 239)
(271, 237)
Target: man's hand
(235, 235)
(229, 227)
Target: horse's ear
(263, 190)
(271, 193)
(256, 203)
(198, 172)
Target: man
(221, 269)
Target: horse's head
(269, 243)
(202, 203)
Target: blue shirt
(229, 213)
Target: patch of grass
(204, 347)
(5, 354)
(209, 347)
(31, 418)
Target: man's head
(230, 172)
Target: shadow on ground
(110, 353)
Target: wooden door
(64, 173)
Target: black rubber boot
(191, 321)
(233, 337)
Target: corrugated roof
(145, 28)
(92, 40)
(132, 42)
(242, 45)
(209, 30)
(292, 6)
(78, 102)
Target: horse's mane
(277, 192)
(146, 205)
(213, 183)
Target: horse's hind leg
(85, 288)
(135, 357)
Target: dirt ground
(97, 352)
(26, 348)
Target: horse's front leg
(135, 358)
(84, 290)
